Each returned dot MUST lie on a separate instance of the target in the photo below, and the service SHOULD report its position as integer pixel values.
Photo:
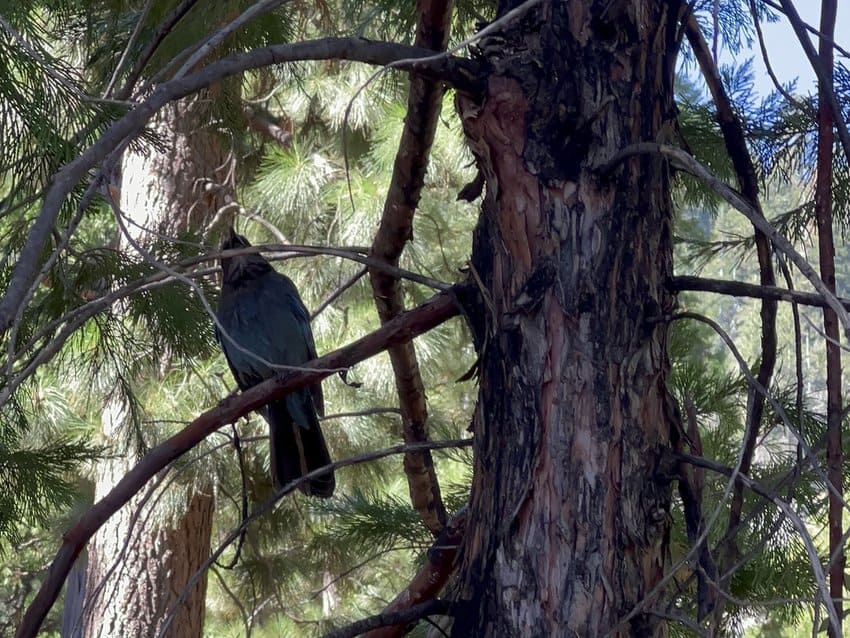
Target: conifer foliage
(623, 410)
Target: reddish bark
(568, 519)
(826, 249)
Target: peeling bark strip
(568, 520)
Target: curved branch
(455, 71)
(736, 147)
(415, 322)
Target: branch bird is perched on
(260, 309)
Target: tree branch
(415, 322)
(162, 31)
(686, 162)
(396, 228)
(456, 71)
(262, 121)
(431, 578)
(417, 612)
(736, 147)
(742, 289)
(826, 120)
(824, 75)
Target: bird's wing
(302, 319)
(286, 331)
(221, 341)
(241, 316)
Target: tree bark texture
(568, 522)
(141, 558)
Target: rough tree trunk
(138, 565)
(569, 514)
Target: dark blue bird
(261, 310)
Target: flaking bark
(568, 523)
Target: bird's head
(241, 267)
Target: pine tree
(606, 426)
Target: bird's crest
(241, 267)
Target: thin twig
(336, 294)
(140, 21)
(799, 525)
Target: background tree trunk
(569, 517)
(175, 187)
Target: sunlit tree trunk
(568, 526)
(140, 561)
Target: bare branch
(736, 147)
(824, 75)
(681, 283)
(431, 578)
(396, 229)
(263, 122)
(808, 27)
(809, 455)
(406, 616)
(128, 46)
(336, 294)
(767, 64)
(164, 29)
(214, 39)
(827, 119)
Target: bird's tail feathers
(297, 449)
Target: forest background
(112, 349)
